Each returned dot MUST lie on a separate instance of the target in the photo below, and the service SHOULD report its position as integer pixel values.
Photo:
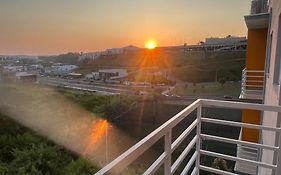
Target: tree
(222, 81)
(80, 167)
(220, 164)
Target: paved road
(119, 89)
(84, 86)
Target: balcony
(194, 148)
(259, 6)
(252, 85)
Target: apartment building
(258, 145)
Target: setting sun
(150, 44)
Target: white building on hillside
(112, 74)
(112, 51)
(60, 69)
(89, 55)
(13, 68)
(93, 76)
(228, 40)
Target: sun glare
(150, 44)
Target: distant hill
(186, 66)
(69, 58)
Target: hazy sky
(58, 26)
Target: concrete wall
(272, 91)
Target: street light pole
(106, 145)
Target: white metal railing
(259, 6)
(165, 131)
(252, 84)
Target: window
(276, 76)
(268, 54)
(269, 44)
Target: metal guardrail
(165, 131)
(259, 6)
(252, 84)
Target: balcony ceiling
(257, 21)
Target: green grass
(229, 88)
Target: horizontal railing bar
(254, 81)
(252, 85)
(213, 170)
(255, 86)
(183, 154)
(139, 148)
(184, 113)
(248, 148)
(253, 77)
(183, 135)
(251, 90)
(189, 164)
(255, 71)
(239, 105)
(239, 124)
(237, 159)
(249, 155)
(155, 166)
(252, 70)
(238, 142)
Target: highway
(84, 86)
(120, 89)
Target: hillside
(69, 58)
(186, 66)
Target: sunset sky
(40, 27)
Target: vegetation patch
(22, 152)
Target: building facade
(272, 91)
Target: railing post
(198, 133)
(278, 160)
(168, 151)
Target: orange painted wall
(253, 117)
(255, 60)
(256, 49)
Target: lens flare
(98, 131)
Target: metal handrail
(252, 84)
(165, 131)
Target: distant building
(60, 69)
(112, 51)
(13, 68)
(228, 40)
(112, 74)
(75, 75)
(93, 76)
(26, 77)
(90, 55)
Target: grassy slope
(24, 152)
(229, 88)
(187, 66)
